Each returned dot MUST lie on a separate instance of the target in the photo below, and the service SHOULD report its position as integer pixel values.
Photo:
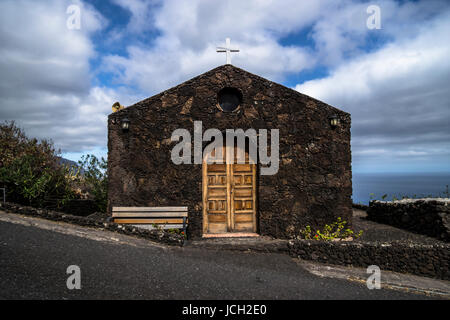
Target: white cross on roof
(227, 49)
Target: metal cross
(228, 50)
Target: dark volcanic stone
(424, 216)
(313, 186)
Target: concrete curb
(389, 279)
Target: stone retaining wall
(430, 217)
(360, 206)
(79, 207)
(420, 259)
(154, 235)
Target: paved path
(35, 253)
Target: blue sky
(60, 83)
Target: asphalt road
(33, 263)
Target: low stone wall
(79, 207)
(420, 259)
(154, 235)
(360, 206)
(430, 217)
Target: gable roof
(231, 71)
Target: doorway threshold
(231, 235)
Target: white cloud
(190, 31)
(46, 81)
(341, 32)
(398, 96)
(141, 11)
(396, 93)
(163, 66)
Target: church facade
(312, 183)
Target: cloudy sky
(59, 82)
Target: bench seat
(148, 217)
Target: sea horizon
(396, 185)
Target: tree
(95, 179)
(30, 169)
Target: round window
(229, 99)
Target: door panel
(244, 196)
(229, 197)
(216, 197)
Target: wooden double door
(229, 197)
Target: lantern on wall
(334, 121)
(125, 124)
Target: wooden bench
(148, 217)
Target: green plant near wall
(37, 187)
(331, 232)
(177, 231)
(32, 173)
(32, 176)
(95, 178)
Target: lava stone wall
(78, 207)
(312, 187)
(430, 217)
(431, 260)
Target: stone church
(313, 184)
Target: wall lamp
(334, 121)
(125, 124)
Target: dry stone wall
(430, 217)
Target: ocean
(398, 185)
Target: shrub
(336, 230)
(30, 171)
(95, 179)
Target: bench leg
(184, 225)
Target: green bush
(30, 171)
(336, 230)
(95, 178)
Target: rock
(426, 216)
